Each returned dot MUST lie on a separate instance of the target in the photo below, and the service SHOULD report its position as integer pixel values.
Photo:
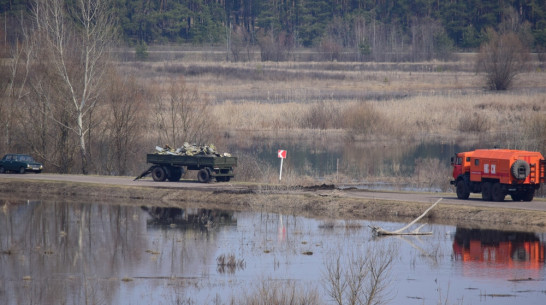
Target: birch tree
(76, 36)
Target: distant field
(444, 99)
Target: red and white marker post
(282, 155)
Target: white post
(280, 172)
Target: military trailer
(171, 167)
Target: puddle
(58, 253)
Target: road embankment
(318, 202)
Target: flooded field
(423, 166)
(79, 253)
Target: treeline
(308, 22)
(311, 23)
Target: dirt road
(539, 204)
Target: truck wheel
(203, 175)
(497, 194)
(462, 190)
(520, 169)
(2, 170)
(22, 170)
(159, 174)
(529, 195)
(516, 196)
(486, 191)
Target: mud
(322, 202)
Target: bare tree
(502, 57)
(182, 114)
(275, 46)
(76, 37)
(13, 84)
(122, 127)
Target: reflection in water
(499, 249)
(60, 253)
(184, 219)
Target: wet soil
(321, 201)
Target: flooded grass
(228, 263)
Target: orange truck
(498, 172)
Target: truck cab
(461, 165)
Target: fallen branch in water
(381, 231)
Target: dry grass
(445, 116)
(278, 293)
(394, 99)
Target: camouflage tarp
(190, 150)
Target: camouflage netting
(190, 150)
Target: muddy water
(58, 253)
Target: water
(353, 159)
(60, 253)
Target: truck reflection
(500, 249)
(202, 219)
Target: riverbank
(323, 202)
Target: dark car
(19, 163)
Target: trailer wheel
(462, 190)
(520, 169)
(497, 194)
(159, 174)
(203, 175)
(486, 191)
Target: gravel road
(539, 204)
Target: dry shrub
(363, 118)
(502, 58)
(251, 168)
(535, 130)
(322, 115)
(477, 122)
(360, 278)
(279, 293)
(430, 173)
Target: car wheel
(2, 170)
(22, 170)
